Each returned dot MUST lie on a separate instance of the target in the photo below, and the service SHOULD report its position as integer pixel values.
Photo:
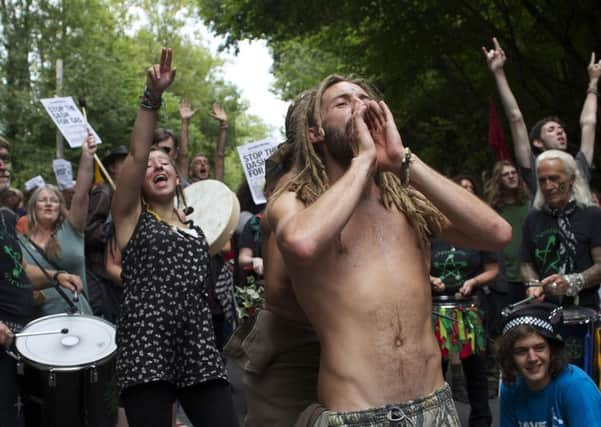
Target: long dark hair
(494, 191)
(504, 346)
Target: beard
(340, 144)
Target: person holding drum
(561, 236)
(166, 344)
(17, 281)
(55, 237)
(540, 387)
(455, 274)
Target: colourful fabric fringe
(459, 330)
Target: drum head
(216, 211)
(89, 340)
(451, 302)
(575, 314)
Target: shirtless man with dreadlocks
(353, 226)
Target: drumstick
(445, 317)
(82, 104)
(524, 301)
(32, 334)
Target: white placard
(253, 158)
(69, 120)
(63, 171)
(36, 181)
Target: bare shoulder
(281, 208)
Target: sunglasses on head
(166, 149)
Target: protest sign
(63, 172)
(253, 158)
(69, 120)
(33, 183)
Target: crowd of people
(383, 279)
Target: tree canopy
(426, 59)
(106, 46)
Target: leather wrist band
(55, 275)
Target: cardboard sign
(253, 158)
(69, 120)
(63, 171)
(33, 183)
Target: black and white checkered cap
(545, 318)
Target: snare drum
(581, 333)
(67, 377)
(458, 326)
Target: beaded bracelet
(405, 167)
(150, 102)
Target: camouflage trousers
(434, 410)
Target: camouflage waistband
(436, 409)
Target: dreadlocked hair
(311, 180)
(422, 215)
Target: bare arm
(186, 113)
(472, 223)
(126, 205)
(529, 274)
(491, 270)
(592, 275)
(307, 231)
(246, 260)
(588, 117)
(303, 233)
(218, 113)
(519, 133)
(78, 213)
(6, 336)
(112, 258)
(39, 280)
(557, 284)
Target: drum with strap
(215, 210)
(458, 326)
(581, 333)
(67, 363)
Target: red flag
(495, 134)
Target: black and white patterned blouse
(164, 332)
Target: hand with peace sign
(160, 76)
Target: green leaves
(106, 46)
(426, 59)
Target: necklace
(158, 218)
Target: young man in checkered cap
(540, 388)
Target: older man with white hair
(561, 236)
